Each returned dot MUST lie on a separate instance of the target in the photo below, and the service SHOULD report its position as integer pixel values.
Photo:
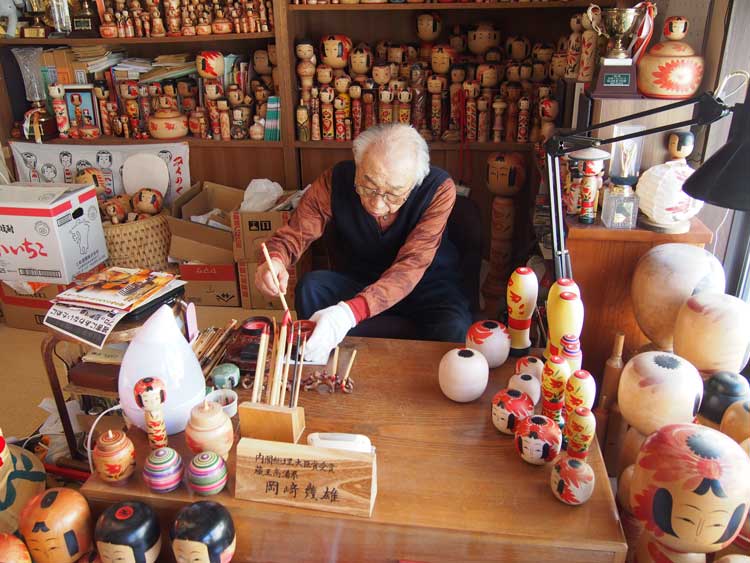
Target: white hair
(402, 147)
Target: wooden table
(450, 486)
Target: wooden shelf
(192, 141)
(79, 41)
(698, 233)
(443, 6)
(435, 146)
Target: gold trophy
(616, 77)
(37, 28)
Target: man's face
(373, 174)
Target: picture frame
(88, 106)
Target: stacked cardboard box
(27, 311)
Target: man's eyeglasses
(389, 198)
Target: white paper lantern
(661, 197)
(160, 350)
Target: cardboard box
(203, 197)
(49, 232)
(252, 297)
(27, 311)
(250, 229)
(211, 284)
(198, 243)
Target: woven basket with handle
(140, 244)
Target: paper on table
(90, 326)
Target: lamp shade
(723, 179)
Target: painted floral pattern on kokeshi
(554, 378)
(580, 391)
(538, 439)
(114, 457)
(580, 429)
(509, 408)
(572, 480)
(522, 291)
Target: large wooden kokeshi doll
(664, 278)
(150, 394)
(554, 378)
(564, 316)
(658, 388)
(509, 407)
(209, 429)
(482, 37)
(572, 480)
(589, 44)
(521, 294)
(13, 550)
(538, 439)
(690, 488)
(22, 477)
(203, 532)
(326, 113)
(56, 526)
(580, 391)
(574, 47)
(712, 332)
(580, 430)
(114, 457)
(334, 51)
(506, 173)
(128, 531)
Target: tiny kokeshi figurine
(532, 365)
(564, 316)
(339, 117)
(129, 95)
(487, 75)
(381, 74)
(482, 37)
(334, 50)
(314, 114)
(471, 92)
(404, 108)
(144, 101)
(554, 378)
(506, 173)
(225, 121)
(22, 477)
(56, 526)
(436, 86)
(538, 439)
(303, 122)
(712, 332)
(720, 391)
(580, 430)
(210, 64)
(429, 26)
(524, 116)
(491, 338)
(522, 291)
(483, 119)
(163, 470)
(680, 144)
(59, 108)
(574, 47)
(13, 550)
(150, 394)
(736, 421)
(589, 44)
(101, 91)
(355, 93)
(570, 350)
(690, 488)
(326, 113)
(128, 531)
(498, 107)
(114, 457)
(203, 532)
(528, 384)
(572, 480)
(207, 474)
(341, 85)
(658, 388)
(580, 391)
(509, 407)
(209, 429)
(306, 73)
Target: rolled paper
(114, 457)
(554, 378)
(564, 316)
(521, 295)
(207, 474)
(163, 470)
(580, 429)
(580, 391)
(562, 284)
(570, 350)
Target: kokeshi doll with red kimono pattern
(326, 113)
(554, 378)
(579, 432)
(521, 294)
(560, 285)
(564, 316)
(150, 394)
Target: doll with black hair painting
(203, 533)
(128, 532)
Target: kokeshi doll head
(334, 50)
(554, 378)
(150, 393)
(306, 73)
(557, 66)
(548, 109)
(360, 59)
(155, 90)
(538, 439)
(458, 73)
(355, 91)
(56, 526)
(513, 71)
(538, 71)
(570, 350)
(404, 96)
(509, 407)
(532, 365)
(528, 384)
(487, 75)
(114, 457)
(463, 374)
(580, 430)
(543, 51)
(13, 549)
(56, 91)
(572, 480)
(397, 54)
(128, 91)
(381, 74)
(506, 173)
(209, 429)
(327, 93)
(304, 49)
(341, 83)
(664, 278)
(101, 90)
(521, 294)
(203, 532)
(429, 26)
(386, 96)
(494, 56)
(163, 470)
(580, 391)
(720, 391)
(676, 28)
(712, 331)
(736, 421)
(128, 531)
(210, 64)
(690, 487)
(207, 474)
(680, 144)
(471, 88)
(576, 22)
(482, 37)
(436, 83)
(441, 58)
(658, 388)
(564, 316)
(491, 338)
(518, 48)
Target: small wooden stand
(306, 477)
(275, 423)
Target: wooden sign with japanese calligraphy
(306, 477)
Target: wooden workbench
(450, 486)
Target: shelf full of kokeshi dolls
(459, 84)
(177, 18)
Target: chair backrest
(465, 232)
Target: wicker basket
(141, 244)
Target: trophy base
(616, 79)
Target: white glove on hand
(332, 324)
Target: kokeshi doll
(418, 84)
(101, 91)
(456, 95)
(579, 432)
(303, 122)
(385, 113)
(13, 549)
(114, 457)
(144, 102)
(564, 316)
(128, 531)
(548, 110)
(524, 116)
(720, 391)
(368, 102)
(538, 439)
(355, 93)
(572, 480)
(314, 114)
(22, 477)
(348, 128)
(570, 350)
(554, 378)
(209, 429)
(150, 394)
(404, 108)
(225, 122)
(735, 422)
(589, 44)
(326, 113)
(498, 107)
(471, 91)
(483, 119)
(580, 391)
(59, 108)
(521, 294)
(339, 116)
(435, 86)
(574, 47)
(341, 85)
(204, 529)
(509, 407)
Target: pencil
(335, 367)
(274, 276)
(274, 352)
(301, 373)
(348, 369)
(278, 367)
(260, 364)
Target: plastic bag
(261, 195)
(53, 428)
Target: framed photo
(82, 106)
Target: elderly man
(388, 210)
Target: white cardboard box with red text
(49, 232)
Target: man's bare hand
(264, 278)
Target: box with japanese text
(211, 284)
(27, 311)
(251, 228)
(49, 232)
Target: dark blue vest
(367, 252)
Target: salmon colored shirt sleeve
(308, 222)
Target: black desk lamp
(722, 180)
